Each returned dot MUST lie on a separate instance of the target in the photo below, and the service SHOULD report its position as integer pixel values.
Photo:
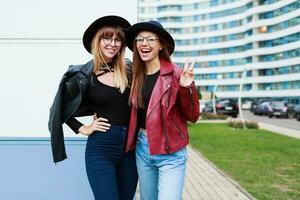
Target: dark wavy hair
(139, 71)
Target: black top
(107, 102)
(149, 83)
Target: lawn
(266, 164)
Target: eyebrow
(146, 36)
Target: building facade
(39, 40)
(242, 47)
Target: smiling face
(110, 45)
(148, 46)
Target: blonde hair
(118, 62)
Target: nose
(144, 41)
(113, 42)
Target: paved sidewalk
(270, 127)
(205, 182)
(281, 130)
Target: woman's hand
(187, 76)
(98, 124)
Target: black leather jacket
(69, 102)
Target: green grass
(266, 164)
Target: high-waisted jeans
(161, 177)
(111, 172)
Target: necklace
(104, 69)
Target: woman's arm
(74, 124)
(189, 102)
(98, 124)
(188, 95)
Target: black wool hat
(110, 20)
(152, 26)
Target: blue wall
(27, 171)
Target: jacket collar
(87, 69)
(165, 67)
(162, 85)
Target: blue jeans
(111, 172)
(161, 177)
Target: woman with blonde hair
(100, 88)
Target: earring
(160, 49)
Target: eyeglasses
(150, 40)
(109, 40)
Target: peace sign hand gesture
(187, 75)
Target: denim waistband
(142, 137)
(113, 129)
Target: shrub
(236, 124)
(213, 116)
(251, 125)
(240, 125)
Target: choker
(105, 69)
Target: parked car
(246, 105)
(297, 112)
(224, 106)
(208, 108)
(278, 109)
(255, 104)
(294, 111)
(262, 108)
(202, 104)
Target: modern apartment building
(242, 47)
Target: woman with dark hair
(163, 97)
(99, 87)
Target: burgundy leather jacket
(169, 109)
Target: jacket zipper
(191, 96)
(167, 148)
(169, 96)
(179, 131)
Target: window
(280, 11)
(213, 64)
(213, 27)
(247, 87)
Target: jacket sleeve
(55, 125)
(58, 115)
(189, 102)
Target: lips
(111, 51)
(145, 52)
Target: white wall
(39, 39)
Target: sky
(32, 66)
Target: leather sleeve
(189, 102)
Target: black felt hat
(110, 20)
(152, 26)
